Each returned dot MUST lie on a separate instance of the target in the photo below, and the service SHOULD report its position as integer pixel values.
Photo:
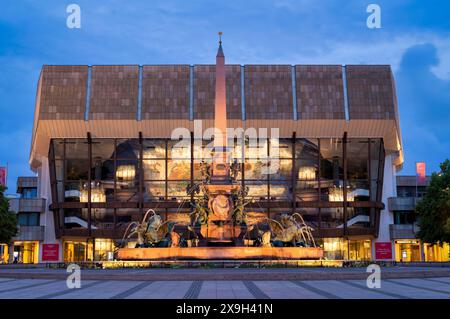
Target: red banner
(3, 176)
(383, 250)
(421, 172)
(50, 252)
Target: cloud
(424, 101)
(15, 149)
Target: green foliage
(8, 221)
(434, 208)
(447, 226)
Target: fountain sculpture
(219, 224)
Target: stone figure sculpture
(151, 231)
(200, 211)
(234, 170)
(205, 169)
(265, 239)
(239, 203)
(291, 229)
(174, 239)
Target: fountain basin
(178, 253)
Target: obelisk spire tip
(220, 51)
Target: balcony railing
(403, 231)
(26, 181)
(402, 203)
(27, 205)
(35, 233)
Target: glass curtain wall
(105, 183)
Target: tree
(8, 221)
(434, 208)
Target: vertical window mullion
(62, 212)
(344, 181)
(141, 174)
(319, 187)
(192, 168)
(268, 175)
(166, 170)
(89, 184)
(293, 173)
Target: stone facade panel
(165, 92)
(114, 92)
(370, 92)
(320, 92)
(63, 92)
(268, 92)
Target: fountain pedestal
(220, 229)
(220, 234)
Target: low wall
(234, 253)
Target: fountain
(218, 220)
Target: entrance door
(24, 253)
(74, 251)
(408, 252)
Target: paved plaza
(436, 288)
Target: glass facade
(408, 250)
(437, 253)
(4, 254)
(100, 185)
(342, 249)
(89, 250)
(28, 192)
(28, 219)
(25, 252)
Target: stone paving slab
(440, 280)
(104, 290)
(162, 290)
(436, 288)
(416, 293)
(341, 289)
(286, 290)
(376, 293)
(37, 292)
(242, 274)
(427, 290)
(21, 285)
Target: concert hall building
(103, 151)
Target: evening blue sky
(414, 40)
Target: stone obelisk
(220, 228)
(221, 167)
